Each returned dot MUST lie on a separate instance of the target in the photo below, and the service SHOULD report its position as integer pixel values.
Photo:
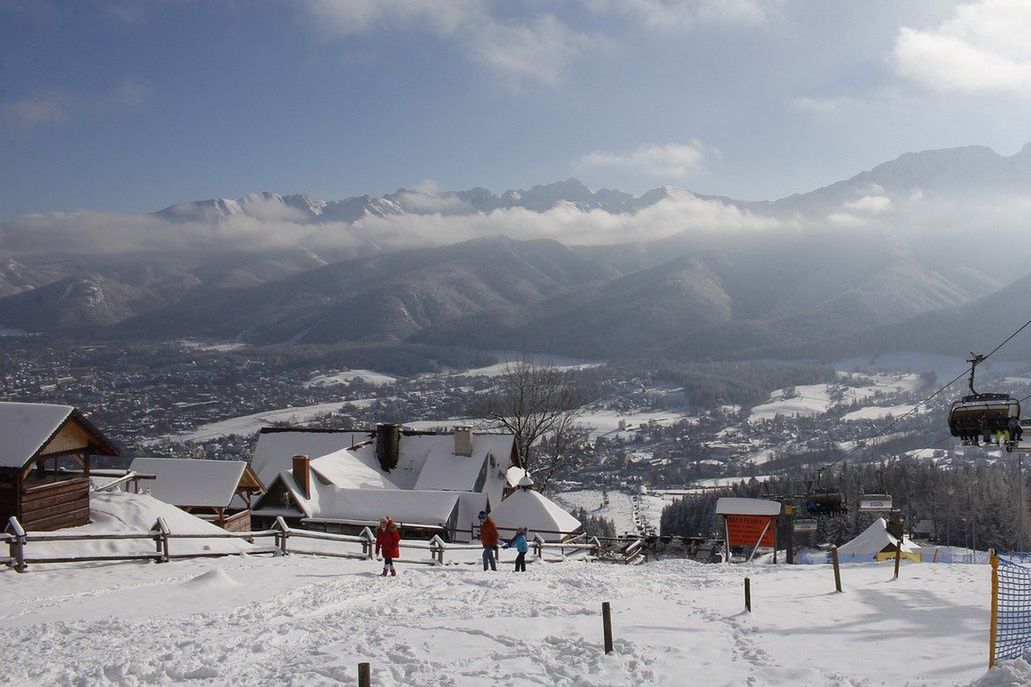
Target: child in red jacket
(388, 541)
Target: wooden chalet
(219, 491)
(45, 464)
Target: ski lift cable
(928, 398)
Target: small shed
(537, 513)
(45, 455)
(876, 543)
(219, 491)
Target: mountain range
(691, 294)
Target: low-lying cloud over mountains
(599, 273)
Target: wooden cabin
(45, 455)
(219, 491)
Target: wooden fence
(282, 535)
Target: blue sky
(130, 106)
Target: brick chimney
(463, 440)
(302, 474)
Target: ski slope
(309, 621)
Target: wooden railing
(18, 540)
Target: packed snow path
(307, 621)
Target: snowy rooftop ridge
(27, 428)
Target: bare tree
(541, 406)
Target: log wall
(52, 506)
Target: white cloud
(823, 105)
(673, 160)
(31, 112)
(537, 49)
(90, 233)
(984, 46)
(672, 15)
(357, 16)
(55, 107)
(873, 205)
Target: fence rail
(436, 548)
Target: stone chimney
(388, 445)
(302, 474)
(463, 440)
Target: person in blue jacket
(518, 542)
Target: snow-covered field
(309, 621)
(250, 424)
(336, 378)
(882, 412)
(809, 400)
(620, 509)
(606, 422)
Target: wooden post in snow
(898, 557)
(364, 675)
(162, 539)
(748, 595)
(17, 544)
(606, 621)
(837, 570)
(284, 532)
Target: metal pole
(364, 675)
(748, 595)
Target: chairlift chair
(876, 502)
(821, 500)
(976, 415)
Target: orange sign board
(745, 530)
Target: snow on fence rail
(18, 540)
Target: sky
(132, 105)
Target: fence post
(18, 545)
(538, 550)
(284, 532)
(837, 570)
(369, 545)
(161, 539)
(995, 609)
(364, 675)
(597, 546)
(606, 622)
(748, 595)
(898, 558)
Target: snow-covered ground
(882, 412)
(945, 366)
(506, 358)
(309, 621)
(809, 400)
(634, 513)
(606, 422)
(250, 424)
(367, 376)
(224, 347)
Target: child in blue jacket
(519, 543)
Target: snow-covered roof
(275, 449)
(189, 482)
(349, 469)
(26, 429)
(739, 506)
(872, 541)
(534, 511)
(329, 502)
(428, 461)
